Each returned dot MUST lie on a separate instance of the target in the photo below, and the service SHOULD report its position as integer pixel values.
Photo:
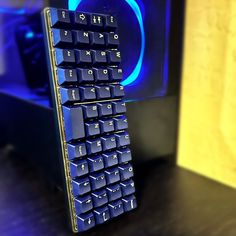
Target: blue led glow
(29, 35)
(12, 11)
(73, 4)
(134, 75)
(166, 60)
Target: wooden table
(172, 202)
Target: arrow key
(85, 221)
(99, 198)
(80, 19)
(78, 168)
(97, 39)
(101, 215)
(81, 186)
(83, 204)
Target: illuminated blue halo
(73, 4)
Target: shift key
(74, 123)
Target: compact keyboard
(85, 75)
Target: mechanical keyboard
(84, 63)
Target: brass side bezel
(56, 98)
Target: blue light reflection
(73, 4)
(12, 11)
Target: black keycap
(101, 215)
(107, 125)
(117, 91)
(98, 180)
(112, 39)
(110, 159)
(83, 204)
(95, 163)
(74, 123)
(112, 175)
(110, 22)
(114, 56)
(119, 107)
(126, 171)
(99, 57)
(105, 109)
(62, 38)
(64, 57)
(76, 150)
(116, 208)
(81, 186)
(99, 198)
(81, 38)
(108, 142)
(69, 95)
(127, 187)
(116, 74)
(120, 123)
(87, 93)
(78, 168)
(103, 92)
(101, 75)
(96, 21)
(60, 18)
(80, 19)
(90, 111)
(92, 128)
(97, 39)
(129, 203)
(85, 221)
(66, 76)
(94, 146)
(122, 139)
(85, 75)
(124, 155)
(114, 192)
(83, 57)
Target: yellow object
(207, 138)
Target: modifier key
(60, 18)
(74, 123)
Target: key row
(109, 176)
(63, 18)
(84, 39)
(107, 142)
(84, 75)
(106, 125)
(69, 57)
(108, 158)
(100, 198)
(90, 93)
(82, 186)
(74, 117)
(100, 215)
(92, 164)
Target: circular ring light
(73, 4)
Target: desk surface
(172, 201)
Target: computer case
(27, 120)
